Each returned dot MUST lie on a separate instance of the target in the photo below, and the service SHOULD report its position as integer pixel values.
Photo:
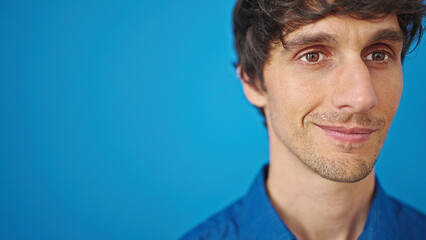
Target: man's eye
(377, 56)
(312, 57)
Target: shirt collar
(382, 220)
(261, 221)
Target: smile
(350, 135)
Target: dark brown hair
(258, 23)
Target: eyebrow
(309, 39)
(387, 34)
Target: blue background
(124, 120)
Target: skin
(330, 98)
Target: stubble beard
(338, 168)
(345, 166)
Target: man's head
(327, 75)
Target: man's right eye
(312, 57)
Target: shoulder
(222, 225)
(410, 221)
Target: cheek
(388, 91)
(293, 93)
(291, 99)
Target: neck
(316, 208)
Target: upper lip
(347, 130)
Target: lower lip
(347, 137)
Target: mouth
(346, 134)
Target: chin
(343, 167)
(347, 177)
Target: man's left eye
(377, 56)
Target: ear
(255, 95)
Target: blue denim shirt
(253, 217)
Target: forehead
(346, 29)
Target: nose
(354, 90)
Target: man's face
(332, 93)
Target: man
(327, 76)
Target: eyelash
(322, 56)
(389, 55)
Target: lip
(347, 134)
